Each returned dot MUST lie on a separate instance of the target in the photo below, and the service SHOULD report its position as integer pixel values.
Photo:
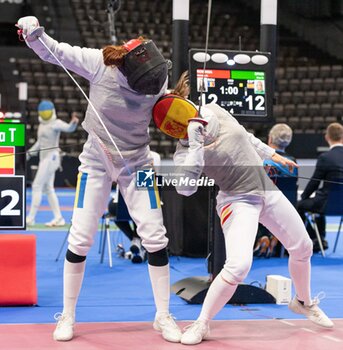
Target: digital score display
(238, 81)
(239, 92)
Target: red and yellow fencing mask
(171, 114)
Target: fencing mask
(171, 114)
(144, 67)
(45, 109)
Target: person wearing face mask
(214, 143)
(49, 131)
(125, 82)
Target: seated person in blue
(280, 136)
(329, 167)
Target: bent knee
(74, 258)
(236, 273)
(159, 258)
(303, 251)
(80, 242)
(37, 187)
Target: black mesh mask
(145, 69)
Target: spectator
(329, 167)
(280, 136)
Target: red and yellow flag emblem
(225, 213)
(7, 161)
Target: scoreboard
(12, 174)
(238, 81)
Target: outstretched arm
(60, 125)
(83, 61)
(263, 150)
(277, 158)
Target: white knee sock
(300, 272)
(72, 282)
(55, 207)
(160, 283)
(219, 293)
(35, 203)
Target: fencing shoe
(64, 330)
(139, 254)
(120, 250)
(166, 324)
(30, 221)
(195, 333)
(312, 312)
(56, 222)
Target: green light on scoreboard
(247, 75)
(12, 134)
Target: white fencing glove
(196, 132)
(29, 28)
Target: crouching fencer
(217, 145)
(49, 131)
(125, 82)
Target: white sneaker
(170, 330)
(30, 221)
(56, 222)
(195, 333)
(65, 327)
(312, 312)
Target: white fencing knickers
(97, 173)
(239, 219)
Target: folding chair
(333, 207)
(121, 215)
(338, 233)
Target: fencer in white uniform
(48, 137)
(125, 82)
(218, 146)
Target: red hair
(182, 86)
(114, 55)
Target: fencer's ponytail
(182, 87)
(114, 55)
